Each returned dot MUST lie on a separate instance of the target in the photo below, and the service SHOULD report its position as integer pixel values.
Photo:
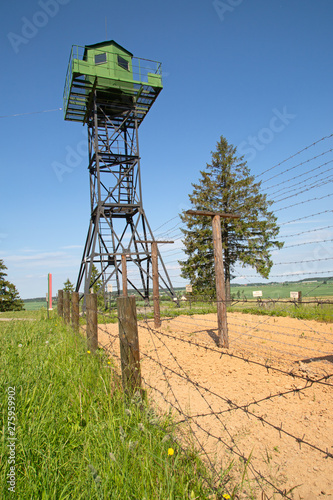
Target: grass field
(67, 431)
(282, 291)
(34, 305)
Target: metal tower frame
(118, 224)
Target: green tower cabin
(111, 91)
(116, 76)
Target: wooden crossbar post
(222, 322)
(156, 289)
(220, 283)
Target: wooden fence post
(129, 345)
(219, 270)
(67, 308)
(75, 311)
(300, 297)
(91, 311)
(60, 305)
(220, 283)
(156, 292)
(124, 273)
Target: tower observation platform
(115, 73)
(111, 91)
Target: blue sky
(258, 72)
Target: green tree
(9, 296)
(68, 286)
(228, 186)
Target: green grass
(77, 436)
(31, 314)
(34, 305)
(282, 291)
(323, 313)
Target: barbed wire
(199, 389)
(295, 154)
(296, 177)
(305, 201)
(305, 232)
(300, 190)
(245, 408)
(195, 419)
(31, 113)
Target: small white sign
(294, 295)
(188, 288)
(109, 287)
(257, 293)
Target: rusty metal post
(60, 305)
(91, 312)
(129, 344)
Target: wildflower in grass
(133, 444)
(96, 477)
(141, 427)
(128, 412)
(20, 345)
(122, 433)
(46, 341)
(88, 352)
(109, 362)
(226, 496)
(171, 451)
(112, 457)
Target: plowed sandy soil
(257, 398)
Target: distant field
(34, 305)
(282, 291)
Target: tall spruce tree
(9, 296)
(228, 186)
(68, 286)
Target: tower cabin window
(100, 58)
(122, 63)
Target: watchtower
(111, 91)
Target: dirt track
(238, 407)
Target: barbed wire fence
(268, 397)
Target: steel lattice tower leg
(118, 224)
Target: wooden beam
(212, 214)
